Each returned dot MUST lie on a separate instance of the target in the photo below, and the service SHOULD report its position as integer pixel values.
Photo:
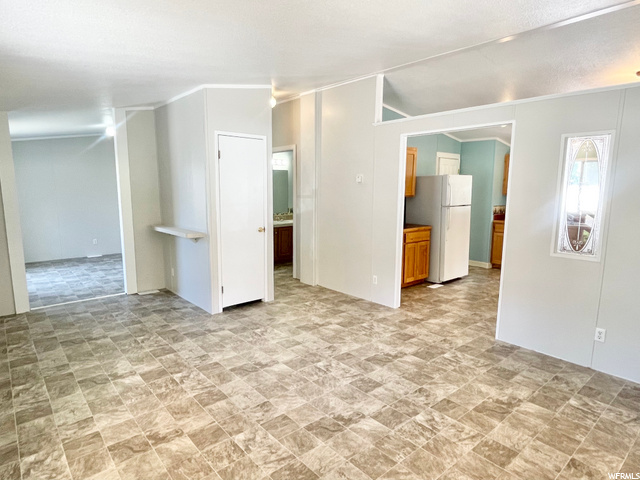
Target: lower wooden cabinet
(497, 239)
(283, 244)
(416, 249)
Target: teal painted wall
(428, 146)
(501, 151)
(390, 115)
(478, 159)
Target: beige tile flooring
(315, 384)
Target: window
(584, 172)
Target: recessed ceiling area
(66, 64)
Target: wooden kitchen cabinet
(410, 173)
(497, 238)
(505, 178)
(416, 249)
(283, 244)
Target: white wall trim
(512, 157)
(379, 98)
(484, 139)
(296, 203)
(475, 263)
(14, 230)
(510, 104)
(57, 137)
(125, 205)
(400, 204)
(393, 109)
(451, 135)
(205, 86)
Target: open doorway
(68, 201)
(284, 224)
(454, 223)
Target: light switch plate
(359, 178)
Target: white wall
(344, 206)
(187, 157)
(67, 195)
(145, 200)
(7, 304)
(181, 136)
(246, 111)
(286, 131)
(547, 304)
(619, 308)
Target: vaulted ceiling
(64, 64)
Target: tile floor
(61, 281)
(314, 385)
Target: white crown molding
(57, 137)
(484, 139)
(393, 109)
(451, 135)
(208, 85)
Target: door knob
(261, 229)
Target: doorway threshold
(78, 301)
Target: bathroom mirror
(282, 182)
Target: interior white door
(447, 164)
(242, 218)
(454, 244)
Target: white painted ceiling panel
(66, 61)
(594, 53)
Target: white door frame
(215, 248)
(125, 210)
(441, 155)
(402, 161)
(296, 209)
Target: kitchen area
(455, 204)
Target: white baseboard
(474, 263)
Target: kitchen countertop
(414, 226)
(282, 223)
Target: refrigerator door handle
(448, 217)
(448, 192)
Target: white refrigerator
(444, 202)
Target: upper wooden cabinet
(505, 179)
(410, 175)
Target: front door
(242, 218)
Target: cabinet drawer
(420, 236)
(498, 227)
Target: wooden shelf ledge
(180, 232)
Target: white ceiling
(65, 64)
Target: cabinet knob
(261, 229)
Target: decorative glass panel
(584, 175)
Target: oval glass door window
(584, 176)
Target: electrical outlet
(95, 241)
(359, 178)
(375, 279)
(600, 334)
(173, 272)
